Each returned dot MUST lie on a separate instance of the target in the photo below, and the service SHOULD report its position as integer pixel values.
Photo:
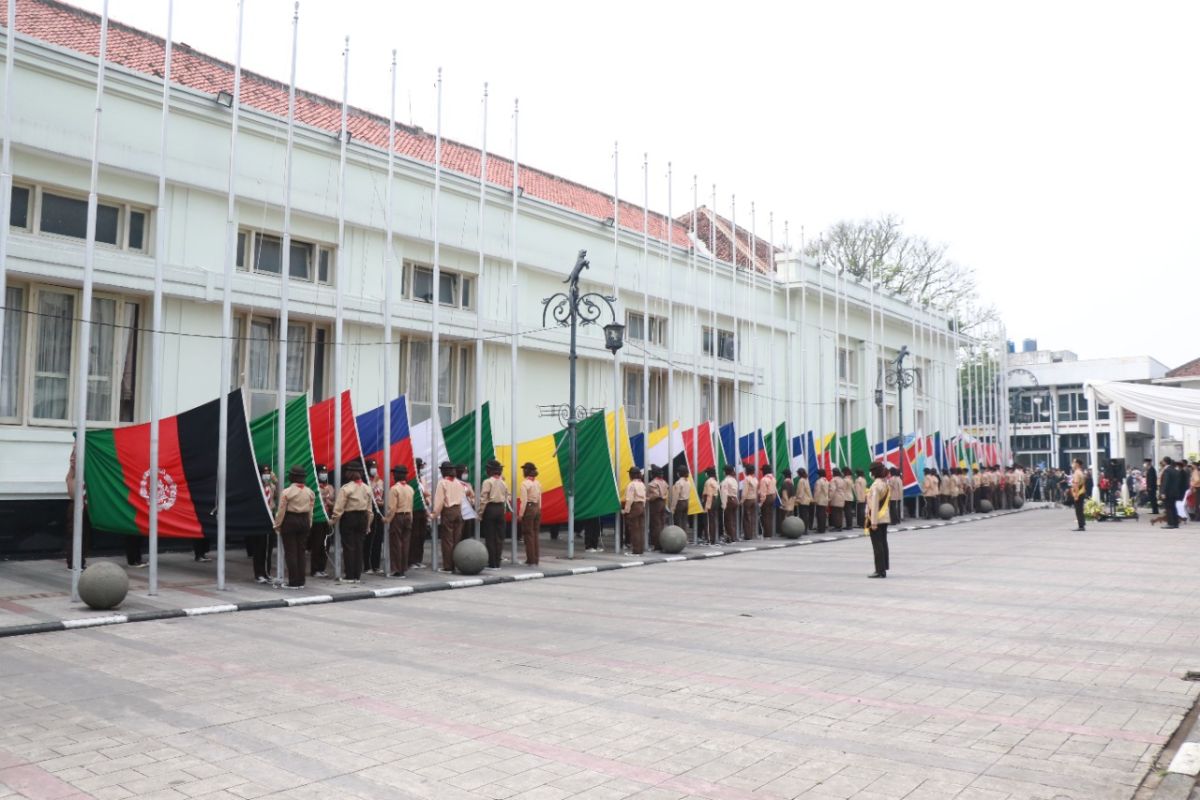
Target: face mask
(266, 477)
(323, 476)
(374, 472)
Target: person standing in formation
(896, 487)
(750, 504)
(373, 547)
(399, 520)
(729, 503)
(681, 492)
(529, 512)
(634, 509)
(804, 498)
(447, 513)
(416, 544)
(656, 504)
(787, 499)
(712, 506)
(847, 500)
(1151, 475)
(956, 490)
(766, 497)
(929, 492)
(1079, 494)
(879, 506)
(943, 488)
(494, 501)
(837, 501)
(259, 544)
(860, 497)
(821, 501)
(319, 532)
(293, 523)
(354, 503)
(969, 489)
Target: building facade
(720, 324)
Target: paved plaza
(1005, 658)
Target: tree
(879, 251)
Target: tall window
(847, 366)
(262, 252)
(454, 289)
(653, 332)
(726, 343)
(643, 419)
(846, 416)
(257, 348)
(455, 386)
(10, 359)
(724, 395)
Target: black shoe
(877, 575)
(1170, 527)
(1077, 530)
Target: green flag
(459, 437)
(264, 434)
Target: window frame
(243, 324)
(464, 284)
(460, 369)
(247, 250)
(125, 211)
(22, 334)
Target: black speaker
(1114, 470)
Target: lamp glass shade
(614, 336)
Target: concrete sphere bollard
(672, 539)
(792, 528)
(946, 511)
(470, 556)
(1018, 501)
(103, 585)
(985, 507)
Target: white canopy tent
(1160, 403)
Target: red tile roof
(75, 29)
(1189, 370)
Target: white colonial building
(792, 341)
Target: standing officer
(493, 501)
(293, 523)
(354, 503)
(712, 505)
(681, 492)
(447, 512)
(729, 503)
(750, 504)
(821, 501)
(529, 511)
(398, 520)
(656, 504)
(766, 497)
(634, 509)
(804, 498)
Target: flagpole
(85, 332)
(789, 407)
(737, 356)
(670, 342)
(774, 285)
(160, 248)
(821, 349)
(284, 280)
(696, 375)
(10, 36)
(752, 289)
(645, 277)
(434, 355)
(338, 320)
(513, 339)
(483, 167)
(715, 339)
(227, 305)
(806, 421)
(616, 291)
(389, 267)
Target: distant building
(1186, 376)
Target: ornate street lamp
(900, 378)
(572, 309)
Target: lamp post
(901, 377)
(571, 309)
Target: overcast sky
(1053, 146)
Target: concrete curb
(698, 553)
(1180, 780)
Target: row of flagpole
(987, 405)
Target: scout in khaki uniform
(821, 501)
(447, 512)
(354, 503)
(929, 492)
(494, 502)
(896, 485)
(767, 495)
(944, 488)
(787, 498)
(879, 507)
(712, 507)
(656, 504)
(804, 499)
(293, 523)
(416, 544)
(729, 503)
(529, 512)
(681, 491)
(860, 497)
(750, 505)
(398, 520)
(837, 502)
(319, 532)
(634, 509)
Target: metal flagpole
(10, 35)
(774, 285)
(160, 248)
(483, 166)
(837, 360)
(338, 321)
(695, 271)
(806, 420)
(715, 338)
(616, 291)
(737, 354)
(513, 337)
(227, 305)
(645, 278)
(389, 267)
(667, 334)
(434, 356)
(821, 349)
(752, 289)
(789, 407)
(284, 279)
(85, 331)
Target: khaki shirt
(530, 491)
(449, 492)
(681, 491)
(930, 486)
(787, 495)
(400, 501)
(804, 494)
(955, 486)
(729, 490)
(944, 485)
(296, 499)
(860, 490)
(635, 492)
(821, 491)
(897, 487)
(749, 489)
(494, 490)
(766, 488)
(711, 490)
(1078, 484)
(845, 491)
(656, 489)
(354, 496)
(878, 497)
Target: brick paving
(1007, 658)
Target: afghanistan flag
(595, 489)
(118, 472)
(297, 446)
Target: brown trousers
(493, 532)
(656, 508)
(681, 515)
(399, 533)
(767, 512)
(449, 534)
(749, 520)
(712, 523)
(531, 529)
(835, 515)
(416, 542)
(294, 532)
(730, 520)
(353, 527)
(635, 528)
(317, 557)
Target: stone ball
(985, 507)
(792, 528)
(946, 511)
(672, 539)
(470, 556)
(1018, 501)
(103, 585)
